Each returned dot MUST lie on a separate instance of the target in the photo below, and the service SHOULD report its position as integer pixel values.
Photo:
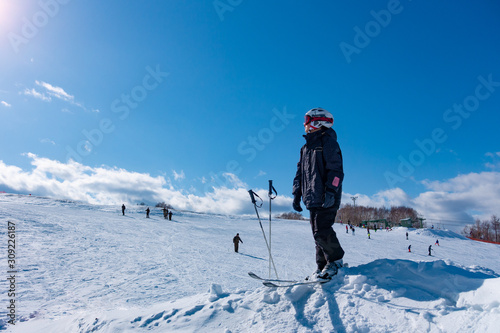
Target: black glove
(296, 203)
(329, 199)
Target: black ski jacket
(319, 169)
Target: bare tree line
(356, 214)
(485, 230)
(394, 215)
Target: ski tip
(270, 284)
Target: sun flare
(8, 13)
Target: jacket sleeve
(297, 188)
(333, 165)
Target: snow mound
(414, 295)
(438, 234)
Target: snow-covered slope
(84, 268)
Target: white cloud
(46, 140)
(260, 174)
(473, 194)
(57, 92)
(105, 185)
(495, 161)
(32, 92)
(233, 180)
(179, 176)
(50, 91)
(462, 198)
(386, 198)
(455, 202)
(4, 103)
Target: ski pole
(252, 196)
(271, 197)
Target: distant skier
(318, 182)
(409, 248)
(437, 242)
(406, 235)
(236, 242)
(123, 209)
(346, 229)
(165, 213)
(430, 249)
(353, 230)
(170, 215)
(369, 236)
(147, 212)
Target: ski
(279, 283)
(273, 285)
(255, 276)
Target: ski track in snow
(87, 268)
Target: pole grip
(252, 196)
(271, 190)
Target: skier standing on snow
(437, 242)
(409, 248)
(147, 213)
(407, 236)
(165, 212)
(430, 249)
(123, 209)
(170, 216)
(318, 182)
(236, 242)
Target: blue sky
(203, 100)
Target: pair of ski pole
(272, 194)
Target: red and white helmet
(318, 117)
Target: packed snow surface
(87, 268)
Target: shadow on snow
(422, 281)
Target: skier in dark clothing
(430, 249)
(318, 182)
(406, 236)
(170, 215)
(236, 242)
(409, 248)
(165, 213)
(123, 209)
(147, 212)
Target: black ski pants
(328, 248)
